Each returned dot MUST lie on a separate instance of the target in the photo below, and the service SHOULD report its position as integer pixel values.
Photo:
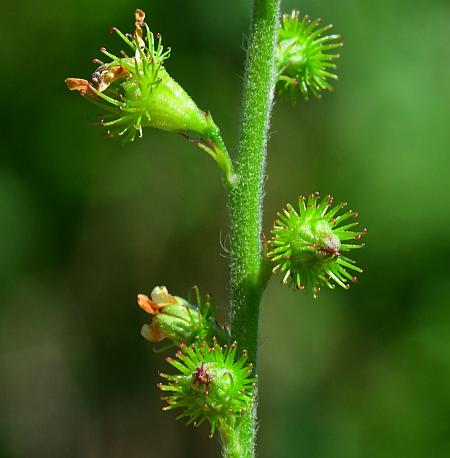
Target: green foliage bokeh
(86, 224)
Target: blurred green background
(86, 224)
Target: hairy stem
(245, 204)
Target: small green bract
(210, 385)
(301, 56)
(307, 244)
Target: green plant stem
(221, 155)
(245, 204)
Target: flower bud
(178, 320)
(308, 244)
(136, 91)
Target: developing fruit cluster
(308, 244)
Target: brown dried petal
(148, 305)
(80, 85)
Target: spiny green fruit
(302, 58)
(136, 91)
(210, 385)
(307, 244)
(178, 320)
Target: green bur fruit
(307, 245)
(302, 58)
(161, 103)
(136, 91)
(210, 384)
